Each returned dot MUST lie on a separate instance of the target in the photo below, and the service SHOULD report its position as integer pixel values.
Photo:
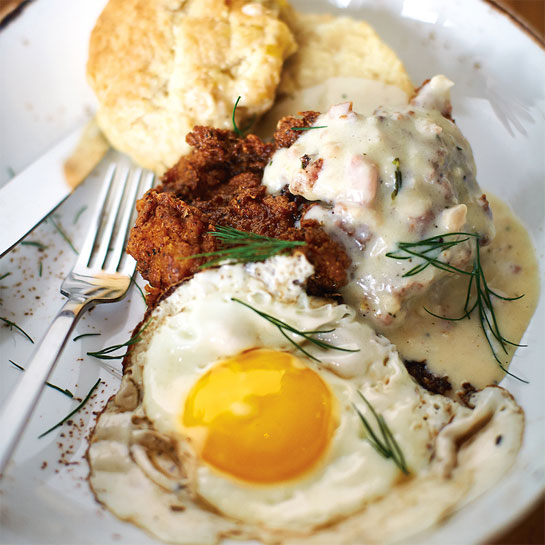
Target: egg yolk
(261, 416)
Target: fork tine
(87, 248)
(122, 226)
(127, 263)
(98, 258)
(85, 286)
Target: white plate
(498, 103)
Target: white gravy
(365, 94)
(455, 349)
(459, 349)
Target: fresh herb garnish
(79, 213)
(5, 275)
(67, 417)
(308, 128)
(245, 247)
(104, 354)
(430, 250)
(139, 289)
(58, 388)
(85, 335)
(385, 445)
(237, 131)
(63, 234)
(478, 294)
(14, 325)
(35, 243)
(307, 335)
(398, 178)
(40, 268)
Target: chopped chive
(398, 178)
(58, 424)
(40, 268)
(58, 388)
(14, 325)
(5, 275)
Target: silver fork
(102, 274)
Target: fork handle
(19, 406)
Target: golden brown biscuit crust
(330, 47)
(160, 67)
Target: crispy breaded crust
(219, 183)
(167, 230)
(331, 46)
(159, 67)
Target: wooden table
(529, 12)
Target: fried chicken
(219, 183)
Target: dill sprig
(104, 354)
(430, 250)
(308, 128)
(58, 388)
(14, 325)
(385, 445)
(307, 335)
(141, 292)
(481, 294)
(68, 416)
(398, 178)
(237, 131)
(244, 247)
(85, 335)
(79, 213)
(63, 234)
(35, 243)
(133, 281)
(478, 294)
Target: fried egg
(230, 423)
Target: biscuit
(331, 47)
(160, 67)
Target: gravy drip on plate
(459, 349)
(395, 304)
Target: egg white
(199, 325)
(212, 327)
